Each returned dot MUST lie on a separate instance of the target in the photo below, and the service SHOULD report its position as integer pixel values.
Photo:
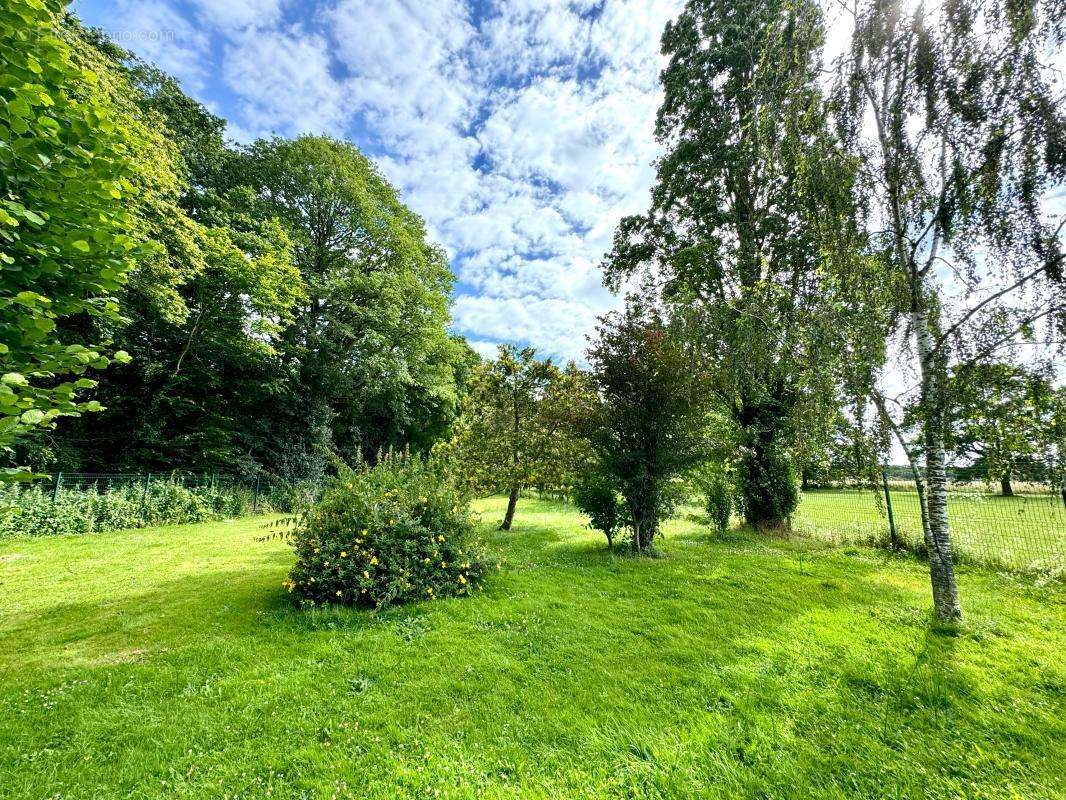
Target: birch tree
(957, 122)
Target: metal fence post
(55, 489)
(144, 496)
(893, 534)
(255, 502)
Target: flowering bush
(396, 532)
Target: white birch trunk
(941, 568)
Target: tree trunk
(512, 502)
(941, 567)
(767, 480)
(767, 486)
(1004, 485)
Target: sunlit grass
(1025, 532)
(169, 663)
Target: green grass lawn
(169, 663)
(1022, 532)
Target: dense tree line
(279, 305)
(795, 232)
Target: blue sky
(521, 130)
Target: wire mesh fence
(1026, 531)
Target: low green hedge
(35, 511)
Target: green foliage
(39, 512)
(767, 488)
(749, 216)
(1002, 420)
(717, 490)
(596, 497)
(396, 532)
(372, 357)
(646, 425)
(953, 190)
(203, 309)
(518, 426)
(287, 307)
(66, 186)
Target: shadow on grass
(706, 667)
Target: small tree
(515, 429)
(647, 424)
(595, 495)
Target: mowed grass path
(1025, 532)
(170, 663)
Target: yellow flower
(373, 561)
(444, 565)
(344, 553)
(392, 522)
(429, 591)
(440, 538)
(338, 593)
(462, 579)
(366, 574)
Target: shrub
(719, 500)
(716, 488)
(396, 532)
(596, 498)
(35, 511)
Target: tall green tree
(1001, 415)
(202, 310)
(750, 205)
(68, 234)
(953, 116)
(370, 360)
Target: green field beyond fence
(1026, 532)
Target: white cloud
(522, 130)
(158, 33)
(284, 83)
(239, 14)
